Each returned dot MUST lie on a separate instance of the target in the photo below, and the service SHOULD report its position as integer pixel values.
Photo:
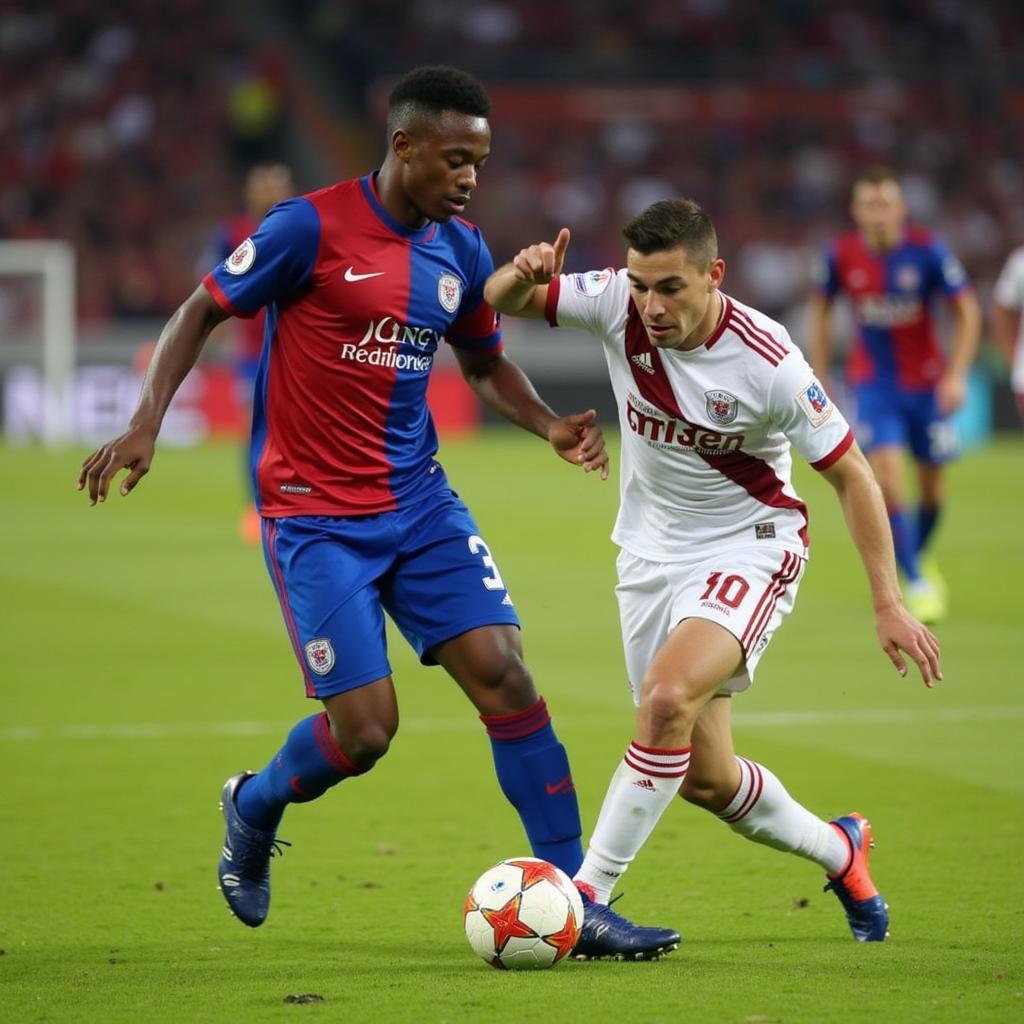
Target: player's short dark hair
(434, 89)
(878, 174)
(674, 224)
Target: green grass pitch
(144, 661)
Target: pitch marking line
(755, 720)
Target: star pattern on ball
(566, 938)
(506, 923)
(470, 905)
(535, 871)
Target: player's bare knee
(512, 678)
(668, 705)
(365, 744)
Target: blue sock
(534, 774)
(308, 764)
(926, 520)
(904, 541)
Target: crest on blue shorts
(320, 655)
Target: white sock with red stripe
(641, 789)
(763, 811)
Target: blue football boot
(866, 911)
(244, 868)
(607, 935)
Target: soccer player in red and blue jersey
(362, 282)
(905, 388)
(266, 185)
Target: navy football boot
(244, 868)
(866, 911)
(607, 935)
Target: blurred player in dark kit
(266, 185)
(906, 389)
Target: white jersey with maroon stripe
(706, 433)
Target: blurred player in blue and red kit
(266, 185)
(361, 282)
(905, 388)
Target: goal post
(53, 263)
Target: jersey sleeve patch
(242, 258)
(593, 282)
(953, 273)
(815, 403)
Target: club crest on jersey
(592, 283)
(320, 655)
(722, 406)
(815, 403)
(907, 277)
(449, 292)
(242, 258)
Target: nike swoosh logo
(350, 275)
(559, 787)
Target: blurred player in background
(266, 185)
(905, 389)
(711, 395)
(361, 282)
(1008, 322)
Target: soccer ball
(523, 914)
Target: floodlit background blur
(126, 128)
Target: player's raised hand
(899, 631)
(579, 439)
(133, 451)
(542, 262)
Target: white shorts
(748, 591)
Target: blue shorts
(888, 416)
(426, 565)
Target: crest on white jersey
(449, 292)
(320, 655)
(722, 407)
(815, 403)
(592, 283)
(242, 258)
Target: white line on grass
(754, 720)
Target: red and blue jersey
(356, 307)
(891, 292)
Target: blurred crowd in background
(127, 127)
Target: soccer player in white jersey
(1008, 321)
(712, 395)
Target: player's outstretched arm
(180, 343)
(898, 631)
(507, 390)
(520, 288)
